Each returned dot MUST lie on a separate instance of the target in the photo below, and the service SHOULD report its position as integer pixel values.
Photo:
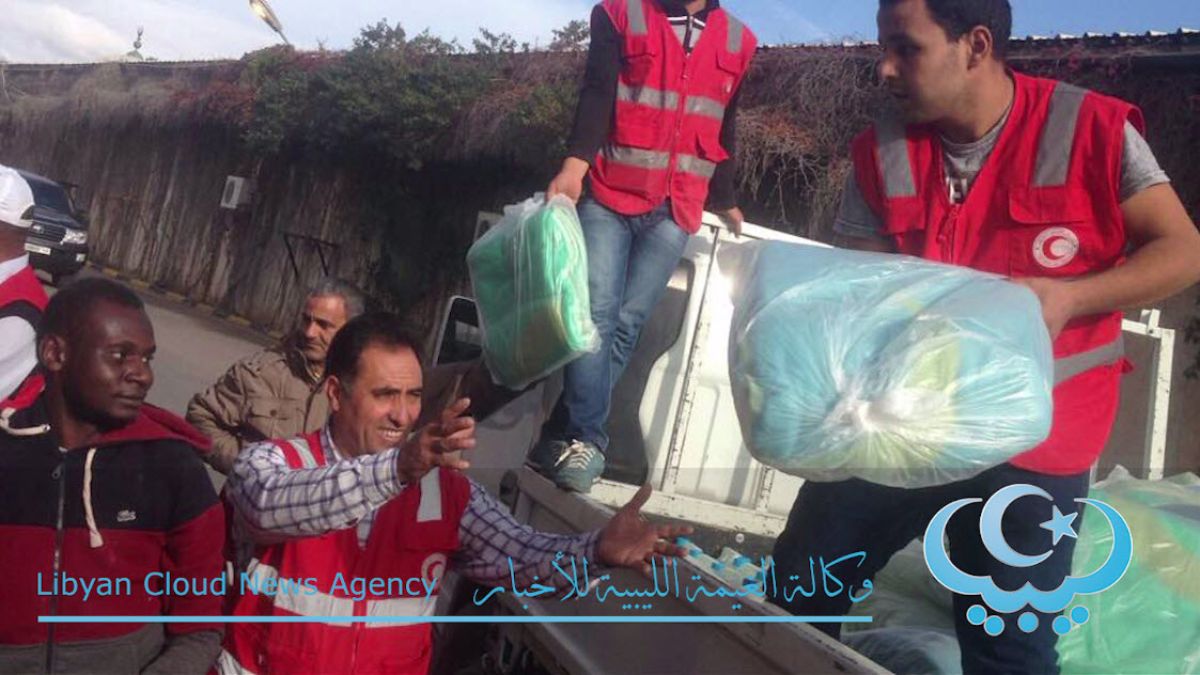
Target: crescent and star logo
(1055, 247)
(1012, 602)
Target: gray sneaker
(578, 467)
(544, 456)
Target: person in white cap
(22, 298)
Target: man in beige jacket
(277, 392)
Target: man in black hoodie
(108, 510)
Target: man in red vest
(653, 132)
(1037, 180)
(341, 514)
(22, 299)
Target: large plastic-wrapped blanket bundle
(529, 273)
(887, 368)
(1149, 622)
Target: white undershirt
(18, 354)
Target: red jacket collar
(155, 424)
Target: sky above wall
(56, 31)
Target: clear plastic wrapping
(1149, 622)
(529, 273)
(887, 368)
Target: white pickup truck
(673, 424)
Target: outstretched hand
(629, 540)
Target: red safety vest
(1045, 204)
(666, 136)
(22, 295)
(412, 539)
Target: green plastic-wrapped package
(1149, 622)
(529, 273)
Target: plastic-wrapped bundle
(529, 273)
(905, 595)
(1149, 622)
(886, 368)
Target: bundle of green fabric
(529, 273)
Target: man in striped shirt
(351, 475)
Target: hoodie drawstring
(5, 424)
(94, 537)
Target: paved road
(194, 349)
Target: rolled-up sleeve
(274, 500)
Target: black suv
(58, 240)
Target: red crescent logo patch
(1055, 247)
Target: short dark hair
(73, 304)
(377, 328)
(352, 297)
(957, 17)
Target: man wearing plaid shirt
(369, 493)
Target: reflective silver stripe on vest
(637, 17)
(297, 599)
(894, 163)
(735, 29)
(648, 96)
(706, 107)
(1058, 136)
(307, 459)
(431, 498)
(695, 165)
(411, 606)
(1070, 366)
(228, 665)
(637, 157)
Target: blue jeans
(630, 261)
(836, 519)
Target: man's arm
(857, 226)
(218, 413)
(594, 112)
(490, 536)
(192, 551)
(1167, 255)
(188, 653)
(1166, 261)
(722, 196)
(18, 353)
(277, 502)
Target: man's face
(322, 317)
(104, 368)
(923, 69)
(12, 240)
(380, 406)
